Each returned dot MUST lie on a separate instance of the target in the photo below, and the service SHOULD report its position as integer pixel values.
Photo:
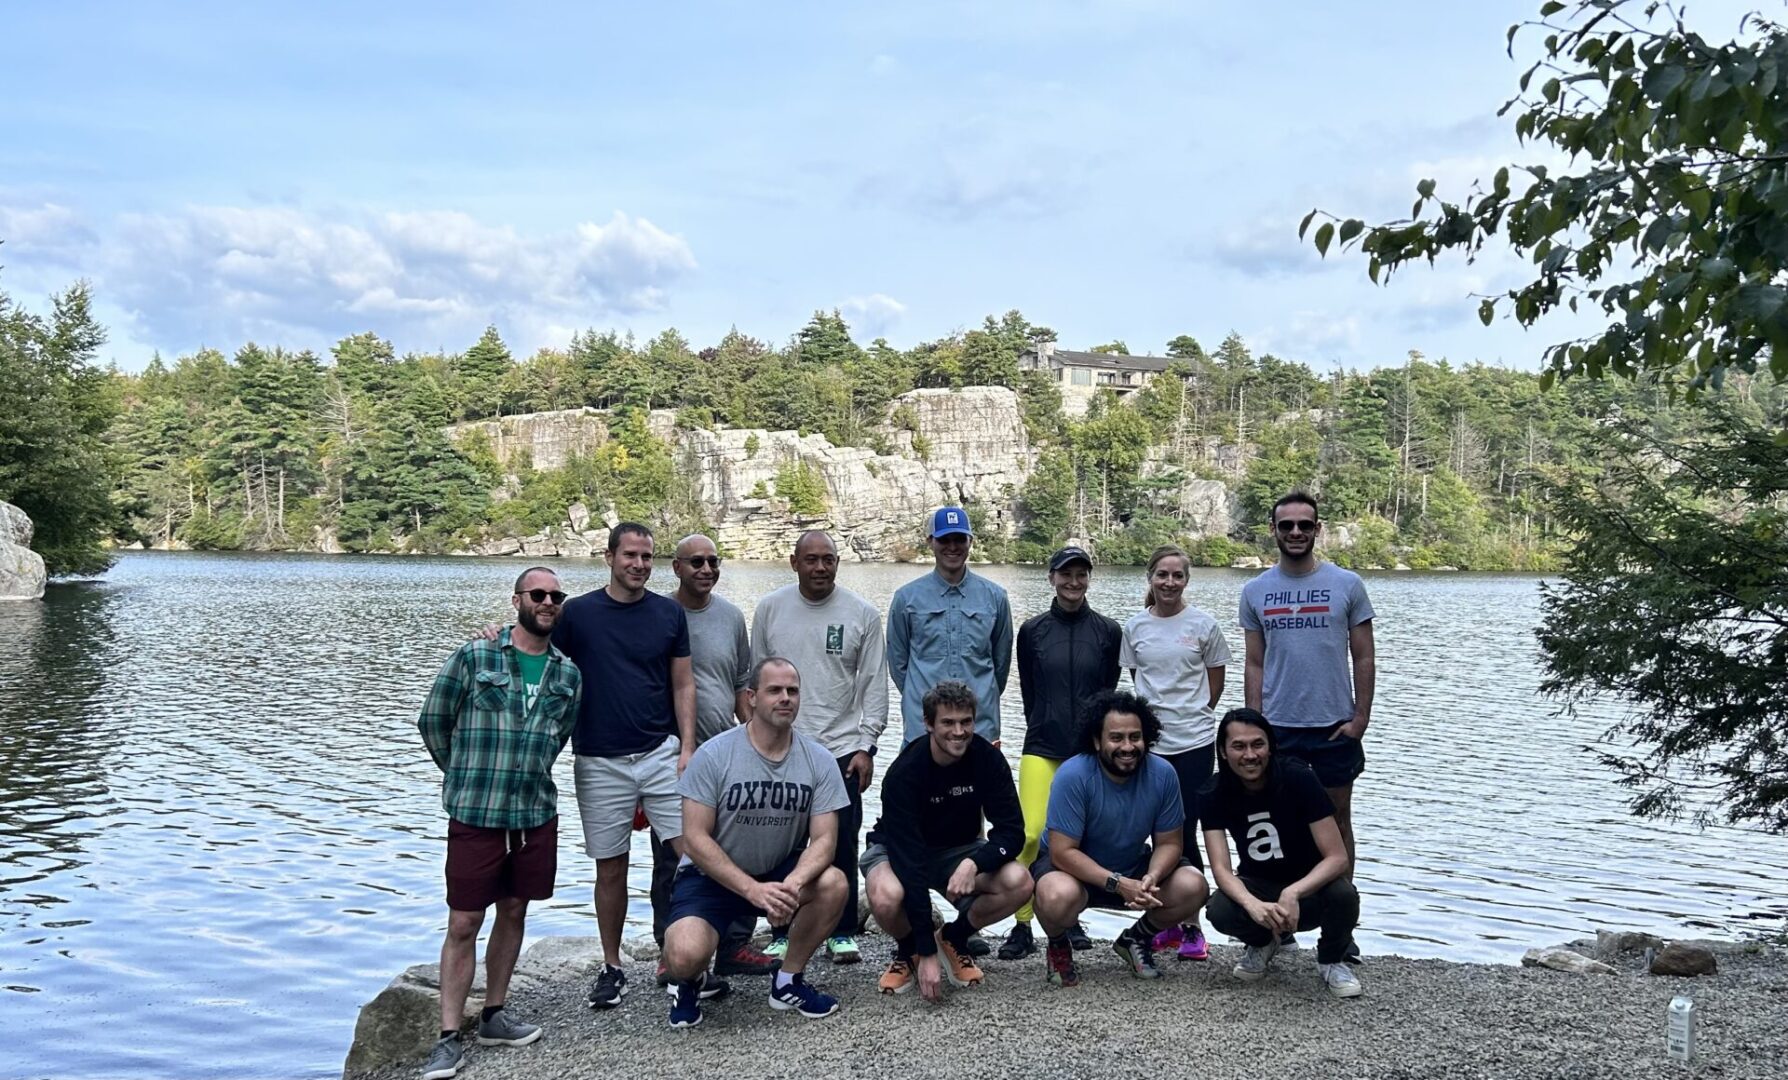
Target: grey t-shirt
(1307, 681)
(762, 807)
(720, 655)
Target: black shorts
(1337, 760)
(487, 865)
(1098, 896)
(696, 895)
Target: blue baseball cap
(950, 521)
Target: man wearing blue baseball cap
(950, 624)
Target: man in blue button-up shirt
(950, 624)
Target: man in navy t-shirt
(1114, 838)
(1291, 865)
(635, 726)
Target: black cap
(1068, 556)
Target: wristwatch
(1111, 882)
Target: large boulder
(403, 1021)
(21, 569)
(1684, 958)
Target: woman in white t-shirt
(1176, 654)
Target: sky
(1132, 170)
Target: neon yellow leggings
(1035, 774)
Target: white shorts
(609, 788)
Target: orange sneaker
(958, 967)
(898, 979)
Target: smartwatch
(1111, 882)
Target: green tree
(482, 371)
(1048, 498)
(55, 407)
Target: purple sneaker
(1194, 947)
(1168, 939)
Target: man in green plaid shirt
(498, 715)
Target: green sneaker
(777, 948)
(843, 949)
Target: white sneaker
(1255, 960)
(1340, 980)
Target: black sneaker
(1019, 944)
(608, 989)
(977, 946)
(1078, 939)
(712, 986)
(1138, 953)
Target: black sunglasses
(699, 561)
(539, 596)
(1295, 526)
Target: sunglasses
(1296, 526)
(699, 561)
(540, 596)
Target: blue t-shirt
(624, 652)
(1114, 822)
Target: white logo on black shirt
(1263, 838)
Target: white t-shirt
(1169, 656)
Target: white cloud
(871, 316)
(221, 275)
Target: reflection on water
(215, 812)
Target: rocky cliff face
(974, 449)
(21, 569)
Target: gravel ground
(1417, 1018)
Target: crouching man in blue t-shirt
(1291, 864)
(1115, 838)
(760, 822)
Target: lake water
(220, 834)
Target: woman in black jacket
(1066, 656)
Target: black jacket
(1064, 658)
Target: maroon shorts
(487, 865)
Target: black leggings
(1194, 770)
(1335, 908)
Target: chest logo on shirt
(768, 795)
(956, 792)
(1263, 838)
(1296, 609)
(835, 639)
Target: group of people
(748, 751)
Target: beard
(529, 619)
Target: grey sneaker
(504, 1030)
(1340, 980)
(445, 1059)
(1255, 960)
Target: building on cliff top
(1080, 375)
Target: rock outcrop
(549, 439)
(21, 569)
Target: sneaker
(1060, 961)
(608, 989)
(843, 949)
(1019, 943)
(959, 968)
(977, 945)
(1169, 939)
(686, 1004)
(1137, 952)
(712, 987)
(777, 948)
(445, 1059)
(798, 995)
(1255, 960)
(1193, 946)
(1077, 938)
(1340, 980)
(898, 979)
(503, 1030)
(745, 960)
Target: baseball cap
(1068, 556)
(950, 521)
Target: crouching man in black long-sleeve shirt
(934, 799)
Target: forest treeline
(268, 448)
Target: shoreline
(1417, 1018)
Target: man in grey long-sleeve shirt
(834, 638)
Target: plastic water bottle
(1679, 1032)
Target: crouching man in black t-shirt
(1291, 861)
(934, 798)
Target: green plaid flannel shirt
(496, 757)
